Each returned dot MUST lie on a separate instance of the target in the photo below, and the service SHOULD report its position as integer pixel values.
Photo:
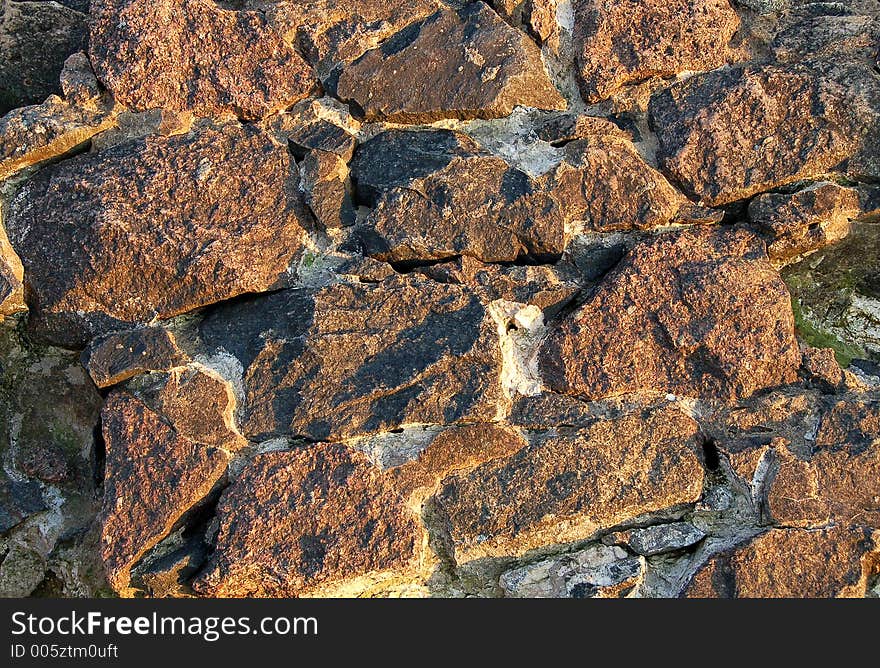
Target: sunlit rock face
(454, 299)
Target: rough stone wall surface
(485, 299)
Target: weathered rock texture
(605, 185)
(343, 521)
(474, 204)
(623, 41)
(832, 563)
(30, 135)
(160, 463)
(458, 64)
(596, 572)
(35, 40)
(437, 194)
(118, 356)
(330, 32)
(372, 356)
(48, 413)
(504, 298)
(806, 220)
(209, 204)
(731, 133)
(698, 313)
(190, 55)
(572, 485)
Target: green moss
(818, 338)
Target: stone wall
(440, 298)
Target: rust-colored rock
(804, 221)
(850, 422)
(787, 416)
(327, 188)
(317, 125)
(338, 528)
(199, 404)
(116, 357)
(820, 368)
(215, 216)
(454, 450)
(604, 185)
(437, 194)
(11, 278)
(732, 133)
(373, 313)
(355, 359)
(321, 135)
(814, 456)
(32, 135)
(623, 41)
(465, 63)
(834, 485)
(699, 313)
(474, 204)
(538, 17)
(793, 563)
(826, 35)
(330, 32)
(566, 486)
(190, 55)
(397, 158)
(154, 475)
(548, 288)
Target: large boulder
(565, 487)
(214, 216)
(836, 562)
(191, 55)
(358, 358)
(699, 313)
(602, 184)
(344, 528)
(163, 460)
(732, 133)
(472, 203)
(623, 41)
(465, 63)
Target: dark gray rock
(595, 572)
(35, 40)
(18, 501)
(664, 538)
